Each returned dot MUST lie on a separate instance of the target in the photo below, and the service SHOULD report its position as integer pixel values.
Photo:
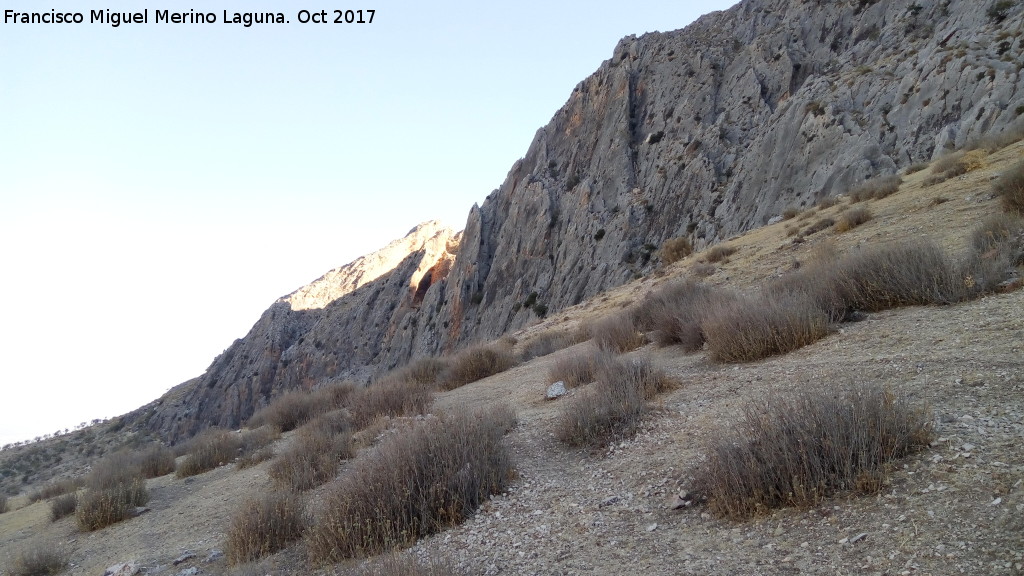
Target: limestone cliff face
(705, 132)
(713, 130)
(350, 319)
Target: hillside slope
(705, 132)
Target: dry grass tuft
(790, 213)
(114, 488)
(39, 558)
(956, 164)
(156, 460)
(315, 453)
(796, 452)
(1010, 188)
(209, 449)
(63, 506)
(675, 249)
(417, 481)
(388, 398)
(614, 406)
(876, 188)
(56, 488)
(577, 369)
(263, 525)
(548, 342)
(747, 329)
(719, 253)
(852, 218)
(287, 412)
(997, 247)
(425, 370)
(476, 363)
(3, 503)
(616, 333)
(675, 313)
(915, 168)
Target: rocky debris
(123, 569)
(185, 557)
(556, 390)
(140, 510)
(214, 556)
(193, 571)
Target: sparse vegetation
(3, 503)
(395, 565)
(388, 398)
(616, 333)
(287, 412)
(747, 329)
(790, 213)
(675, 249)
(550, 341)
(795, 452)
(577, 369)
(1010, 188)
(263, 525)
(719, 253)
(850, 219)
(876, 188)
(156, 460)
(56, 488)
(475, 363)
(614, 406)
(956, 164)
(63, 506)
(418, 481)
(915, 168)
(316, 451)
(675, 313)
(39, 558)
(211, 448)
(997, 245)
(818, 226)
(114, 488)
(827, 202)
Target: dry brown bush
(675, 249)
(63, 506)
(388, 398)
(577, 369)
(956, 164)
(614, 406)
(675, 312)
(417, 481)
(826, 202)
(316, 451)
(211, 448)
(915, 168)
(263, 525)
(899, 274)
(3, 503)
(424, 370)
(616, 333)
(287, 412)
(798, 451)
(156, 460)
(752, 328)
(821, 224)
(56, 488)
(548, 342)
(475, 363)
(1010, 188)
(719, 253)
(876, 188)
(790, 213)
(852, 218)
(114, 488)
(997, 247)
(39, 558)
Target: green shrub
(475, 363)
(616, 333)
(63, 506)
(1010, 188)
(416, 482)
(798, 451)
(747, 329)
(614, 406)
(264, 524)
(675, 249)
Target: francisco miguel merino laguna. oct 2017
(116, 19)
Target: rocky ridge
(704, 132)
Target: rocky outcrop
(704, 132)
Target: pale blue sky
(161, 185)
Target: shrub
(915, 168)
(790, 213)
(577, 369)
(821, 224)
(997, 246)
(876, 188)
(1010, 188)
(798, 451)
(263, 525)
(999, 10)
(747, 329)
(98, 508)
(675, 249)
(157, 460)
(56, 488)
(287, 412)
(417, 481)
(616, 333)
(388, 398)
(315, 453)
(827, 202)
(675, 312)
(3, 503)
(613, 407)
(425, 370)
(900, 274)
(852, 218)
(702, 270)
(39, 558)
(255, 457)
(211, 448)
(63, 506)
(548, 342)
(956, 164)
(720, 252)
(475, 363)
